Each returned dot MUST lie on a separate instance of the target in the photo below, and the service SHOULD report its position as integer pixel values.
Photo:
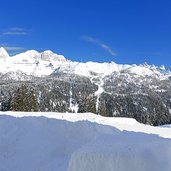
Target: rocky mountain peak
(50, 56)
(3, 53)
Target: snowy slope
(83, 142)
(126, 151)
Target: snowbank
(127, 151)
(39, 143)
(128, 124)
(81, 142)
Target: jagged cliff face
(46, 81)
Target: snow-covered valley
(81, 142)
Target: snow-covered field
(81, 142)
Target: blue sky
(123, 31)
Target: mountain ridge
(45, 60)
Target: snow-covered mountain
(46, 81)
(30, 62)
(40, 64)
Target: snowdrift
(126, 151)
(80, 142)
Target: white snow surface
(81, 142)
(45, 63)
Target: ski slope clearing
(81, 142)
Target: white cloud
(15, 31)
(108, 49)
(99, 43)
(13, 48)
(157, 53)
